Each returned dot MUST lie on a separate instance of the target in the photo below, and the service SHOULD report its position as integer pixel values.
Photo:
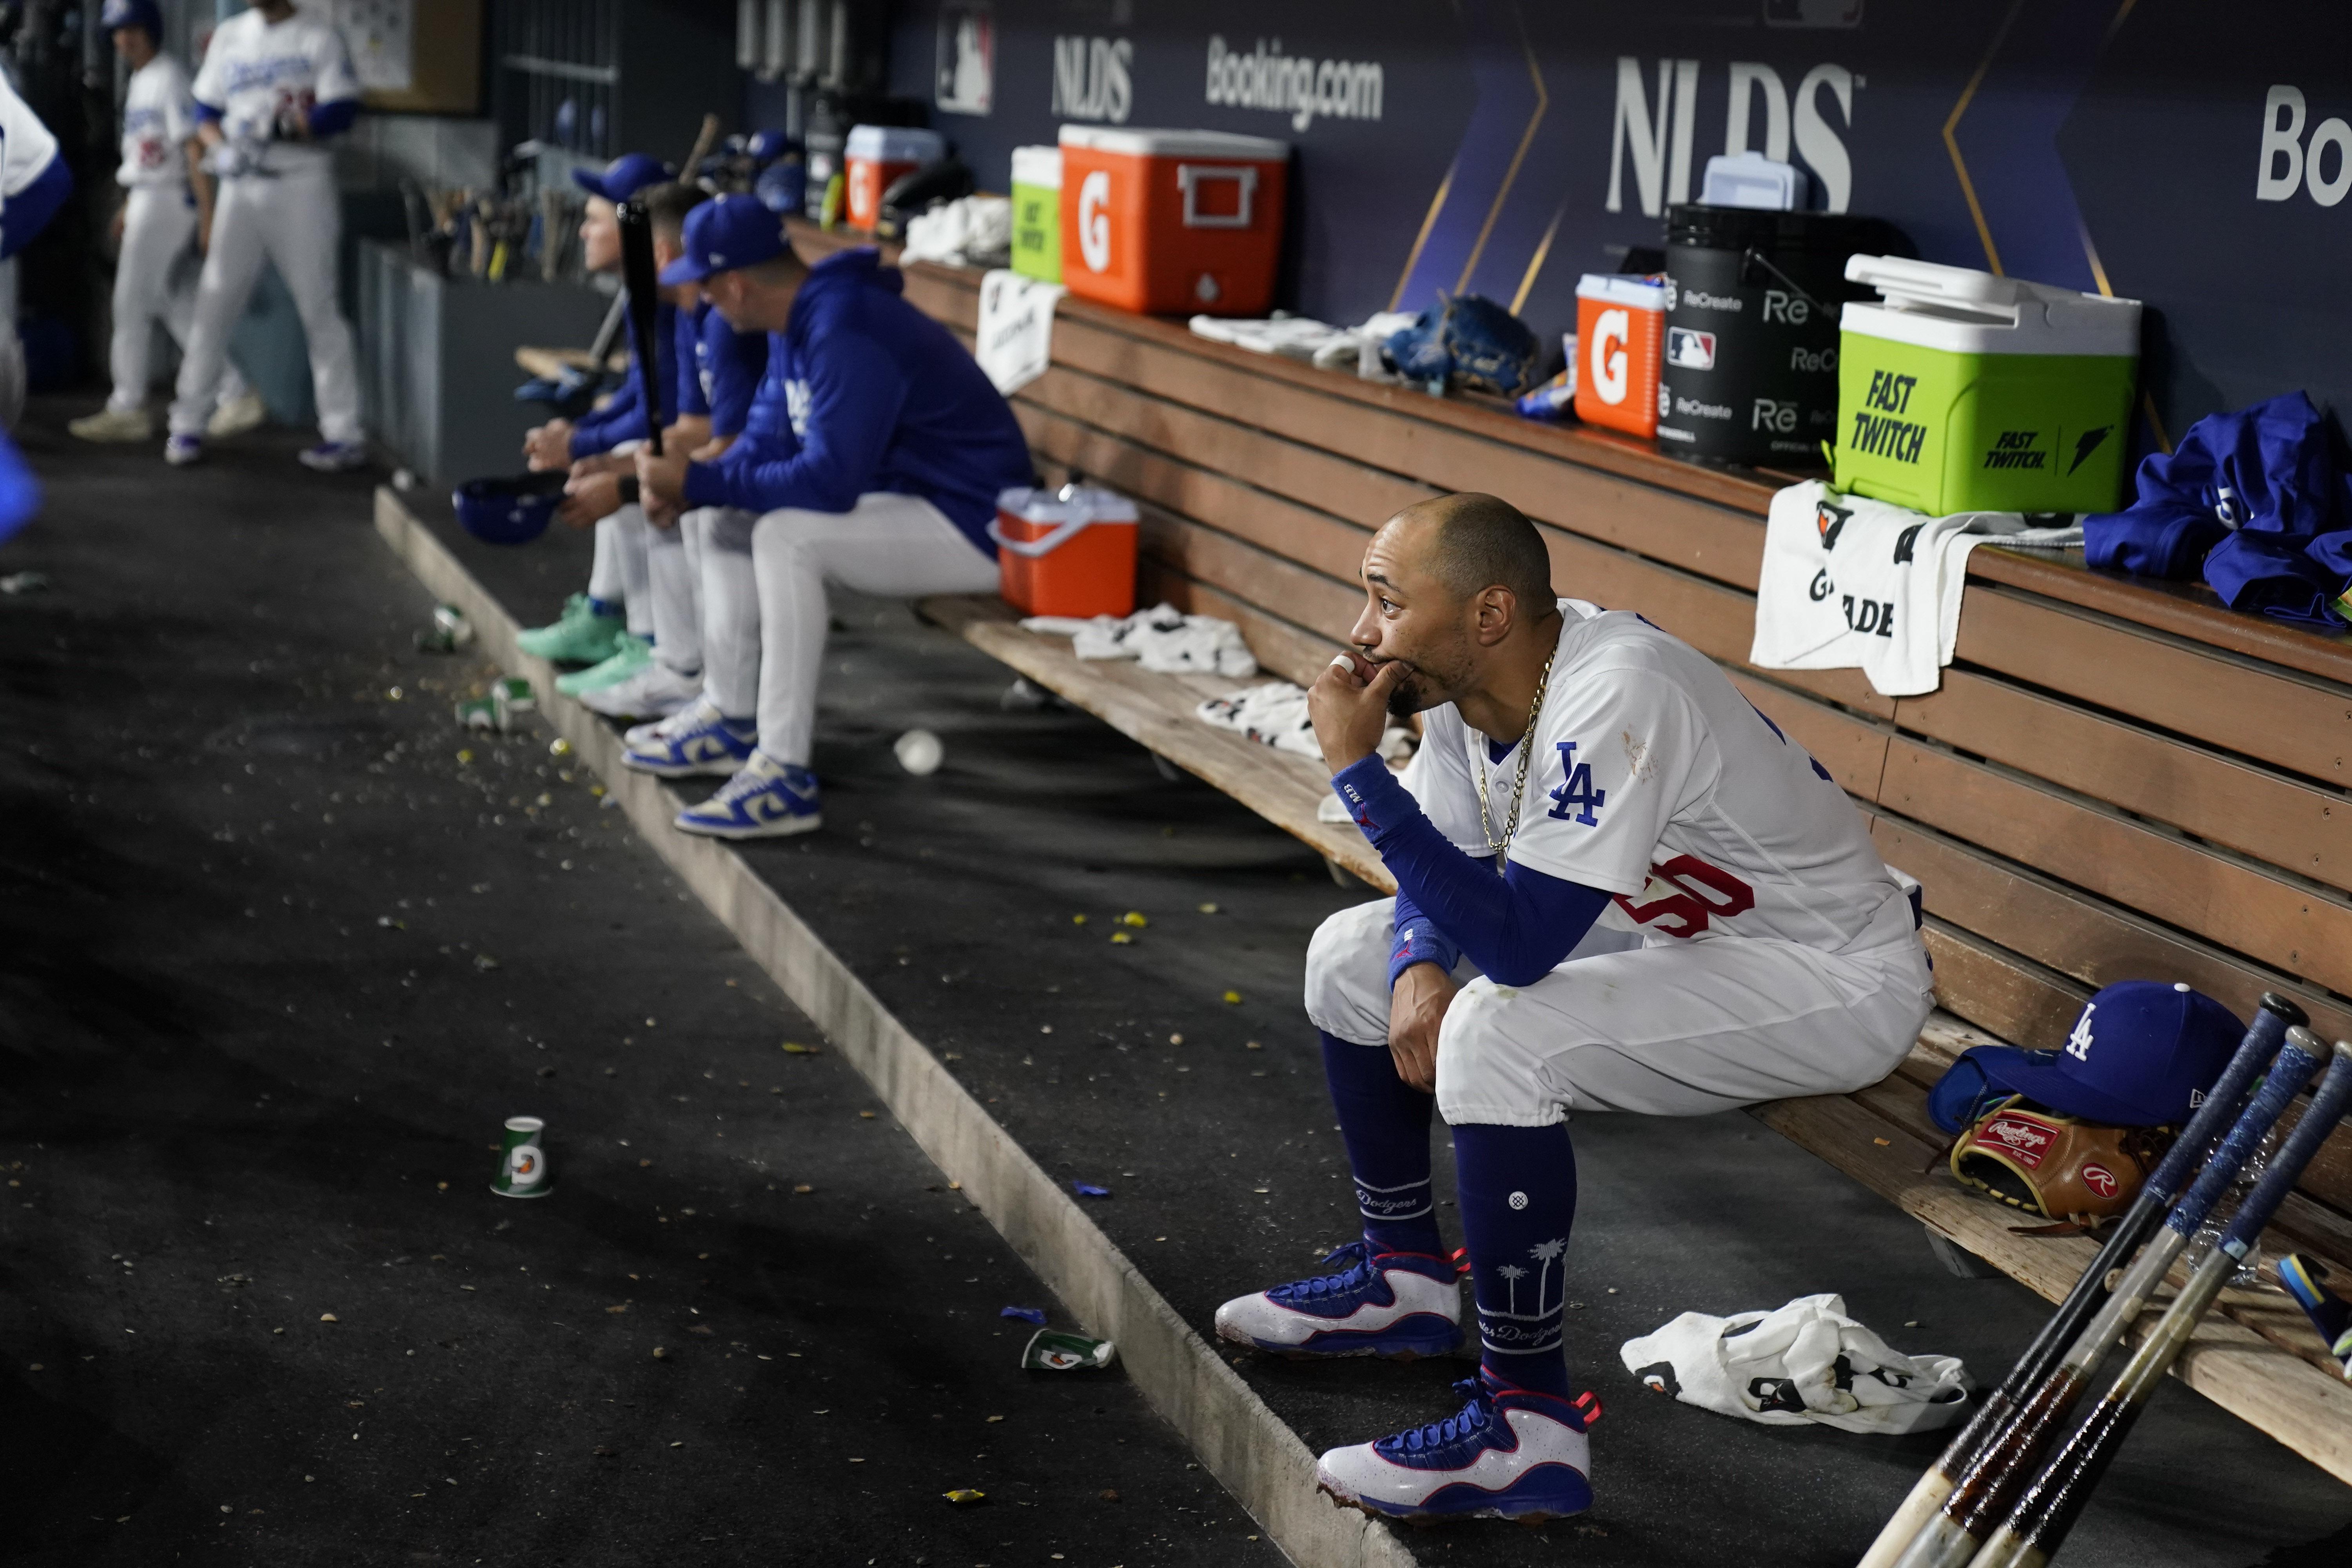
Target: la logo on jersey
(2078, 1044)
(1576, 790)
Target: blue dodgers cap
(625, 176)
(133, 14)
(2141, 1053)
(725, 233)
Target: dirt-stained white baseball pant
(1680, 1029)
(155, 280)
(292, 218)
(893, 545)
(618, 573)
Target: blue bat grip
(2296, 1064)
(2221, 1102)
(2326, 1110)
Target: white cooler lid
(1960, 310)
(1225, 145)
(894, 145)
(1642, 293)
(1039, 166)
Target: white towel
(1164, 639)
(1015, 342)
(1851, 582)
(1807, 1362)
(1276, 715)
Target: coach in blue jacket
(872, 457)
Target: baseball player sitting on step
(610, 627)
(1619, 888)
(166, 213)
(716, 369)
(275, 85)
(872, 457)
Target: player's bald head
(1469, 542)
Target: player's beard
(1427, 683)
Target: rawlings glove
(2054, 1165)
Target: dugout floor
(216, 1141)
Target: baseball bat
(2330, 1314)
(638, 277)
(2048, 1511)
(1981, 1494)
(704, 140)
(2159, 1192)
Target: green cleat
(584, 635)
(630, 656)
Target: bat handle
(2297, 1060)
(2273, 1019)
(2326, 1109)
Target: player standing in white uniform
(166, 206)
(275, 84)
(1621, 888)
(34, 182)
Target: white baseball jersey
(159, 115)
(264, 78)
(25, 144)
(1654, 780)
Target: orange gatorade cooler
(1621, 324)
(874, 157)
(1167, 221)
(1066, 552)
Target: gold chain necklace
(1496, 848)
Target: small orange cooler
(1166, 221)
(876, 156)
(1066, 552)
(1621, 325)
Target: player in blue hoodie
(873, 456)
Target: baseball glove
(2046, 1164)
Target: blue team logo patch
(1576, 800)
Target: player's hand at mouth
(1416, 1007)
(1349, 704)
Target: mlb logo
(1689, 349)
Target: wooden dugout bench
(2117, 780)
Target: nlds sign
(1661, 144)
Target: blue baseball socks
(1518, 1205)
(1385, 1123)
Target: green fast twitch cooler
(1961, 391)
(1038, 213)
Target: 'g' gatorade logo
(1093, 223)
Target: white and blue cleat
(695, 740)
(1400, 1305)
(1507, 1454)
(334, 457)
(766, 799)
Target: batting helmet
(511, 509)
(133, 14)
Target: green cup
(522, 1161)
(1050, 1351)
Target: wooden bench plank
(2093, 942)
(2230, 902)
(2289, 721)
(2272, 817)
(1280, 787)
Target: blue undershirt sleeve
(1516, 928)
(30, 209)
(333, 118)
(1418, 941)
